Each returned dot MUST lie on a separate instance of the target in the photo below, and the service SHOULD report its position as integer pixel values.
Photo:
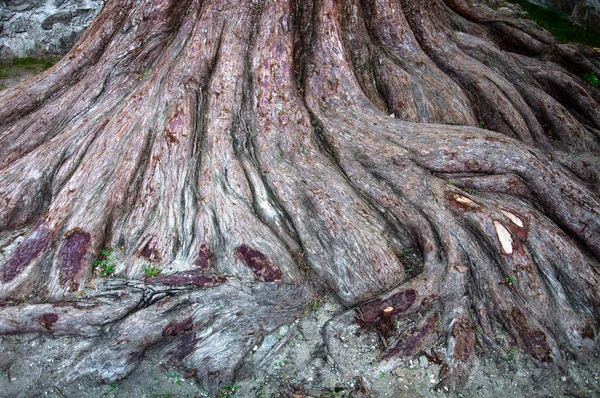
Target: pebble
(423, 362)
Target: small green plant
(145, 74)
(111, 389)
(482, 125)
(510, 357)
(104, 264)
(151, 271)
(509, 281)
(591, 78)
(279, 364)
(176, 378)
(381, 375)
(316, 302)
(228, 391)
(165, 394)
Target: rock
(21, 5)
(42, 28)
(19, 25)
(59, 17)
(423, 362)
(284, 330)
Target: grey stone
(41, 28)
(59, 17)
(423, 362)
(19, 25)
(284, 330)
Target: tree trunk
(259, 153)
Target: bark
(260, 153)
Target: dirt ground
(293, 362)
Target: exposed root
(253, 153)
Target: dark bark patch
(150, 251)
(204, 257)
(533, 340)
(587, 332)
(464, 334)
(372, 313)
(175, 327)
(187, 346)
(536, 345)
(26, 252)
(258, 263)
(186, 278)
(413, 340)
(72, 254)
(47, 320)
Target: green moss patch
(559, 25)
(22, 66)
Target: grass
(559, 25)
(20, 66)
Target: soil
(293, 362)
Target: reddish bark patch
(177, 327)
(371, 313)
(72, 254)
(48, 320)
(258, 263)
(460, 202)
(26, 252)
(413, 340)
(204, 257)
(175, 124)
(187, 346)
(533, 340)
(464, 335)
(186, 278)
(150, 251)
(520, 234)
(535, 344)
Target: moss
(21, 66)
(559, 25)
